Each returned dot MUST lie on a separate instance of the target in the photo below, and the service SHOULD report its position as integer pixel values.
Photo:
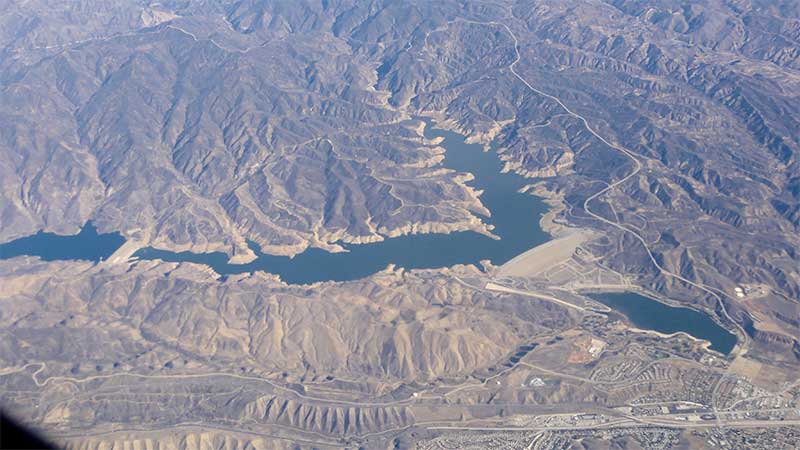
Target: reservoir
(87, 245)
(649, 314)
(514, 215)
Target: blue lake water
(87, 245)
(515, 217)
(649, 314)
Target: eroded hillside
(667, 131)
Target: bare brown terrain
(663, 136)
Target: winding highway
(637, 168)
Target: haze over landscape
(387, 224)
